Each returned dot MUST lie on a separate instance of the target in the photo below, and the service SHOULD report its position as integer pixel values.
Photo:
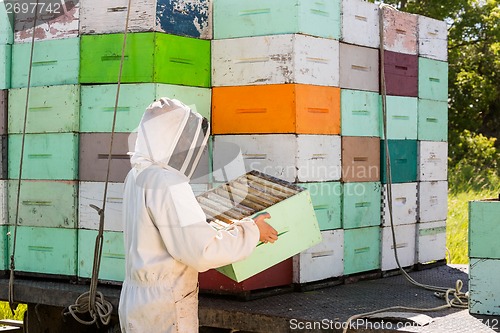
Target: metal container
(432, 79)
(361, 250)
(91, 193)
(432, 38)
(432, 201)
(400, 31)
(149, 57)
(359, 68)
(405, 245)
(361, 205)
(404, 204)
(432, 160)
(5, 66)
(277, 59)
(360, 23)
(401, 74)
(360, 113)
(432, 120)
(403, 155)
(401, 118)
(431, 241)
(326, 198)
(484, 294)
(360, 159)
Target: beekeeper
(167, 238)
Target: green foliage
(5, 312)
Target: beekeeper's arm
(189, 238)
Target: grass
(5, 312)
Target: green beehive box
(149, 57)
(46, 156)
(47, 251)
(484, 229)
(361, 205)
(50, 109)
(361, 250)
(432, 120)
(360, 113)
(5, 66)
(98, 101)
(113, 256)
(3, 249)
(44, 203)
(403, 155)
(241, 18)
(401, 118)
(6, 23)
(326, 198)
(484, 291)
(55, 62)
(432, 79)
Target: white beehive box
(431, 241)
(322, 261)
(359, 67)
(360, 23)
(276, 59)
(432, 38)
(432, 201)
(432, 160)
(400, 31)
(404, 204)
(294, 158)
(405, 245)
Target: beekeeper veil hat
(170, 134)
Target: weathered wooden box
(360, 159)
(401, 118)
(484, 295)
(46, 156)
(5, 66)
(98, 102)
(294, 158)
(292, 215)
(404, 204)
(42, 203)
(484, 229)
(241, 18)
(359, 111)
(4, 105)
(6, 22)
(361, 205)
(277, 59)
(432, 120)
(276, 108)
(322, 261)
(432, 38)
(432, 201)
(360, 23)
(361, 250)
(401, 74)
(432, 79)
(55, 62)
(400, 31)
(91, 193)
(403, 155)
(326, 198)
(51, 109)
(359, 68)
(431, 241)
(405, 245)
(149, 57)
(179, 17)
(432, 160)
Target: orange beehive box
(276, 108)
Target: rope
(21, 160)
(92, 301)
(454, 297)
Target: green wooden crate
(361, 205)
(113, 255)
(5, 66)
(50, 109)
(4, 265)
(51, 204)
(403, 154)
(360, 113)
(484, 229)
(298, 230)
(401, 118)
(149, 57)
(241, 18)
(55, 62)
(98, 102)
(432, 79)
(46, 156)
(326, 198)
(432, 120)
(50, 251)
(6, 23)
(484, 291)
(361, 250)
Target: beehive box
(240, 18)
(359, 113)
(359, 68)
(292, 215)
(405, 246)
(3, 111)
(276, 108)
(432, 79)
(91, 193)
(432, 120)
(484, 229)
(403, 156)
(401, 118)
(187, 18)
(400, 31)
(360, 23)
(51, 109)
(404, 204)
(322, 261)
(98, 103)
(360, 159)
(6, 20)
(293, 158)
(55, 62)
(361, 250)
(290, 58)
(401, 74)
(326, 198)
(5, 66)
(484, 295)
(432, 38)
(361, 205)
(431, 241)
(149, 57)
(432, 201)
(432, 160)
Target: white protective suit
(167, 238)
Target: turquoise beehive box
(361, 204)
(241, 18)
(401, 118)
(359, 112)
(326, 198)
(6, 23)
(484, 292)
(432, 79)
(484, 229)
(403, 155)
(5, 66)
(432, 120)
(361, 250)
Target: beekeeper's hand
(267, 233)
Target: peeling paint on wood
(432, 201)
(432, 38)
(404, 204)
(400, 31)
(91, 193)
(405, 244)
(432, 160)
(431, 241)
(484, 294)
